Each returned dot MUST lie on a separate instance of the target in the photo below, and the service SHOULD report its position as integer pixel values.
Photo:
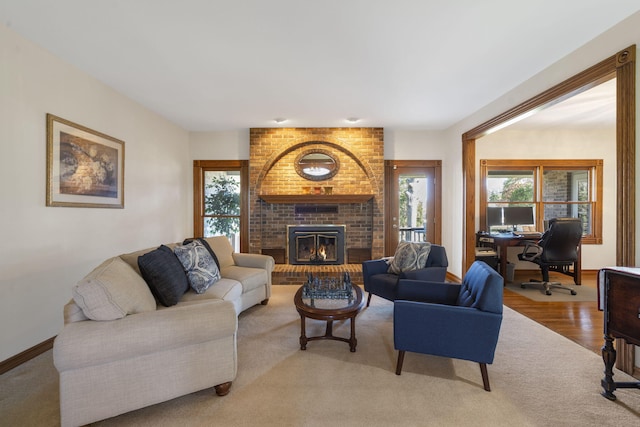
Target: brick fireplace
(280, 197)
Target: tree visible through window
(222, 203)
(412, 199)
(220, 200)
(517, 189)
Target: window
(552, 188)
(220, 200)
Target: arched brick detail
(341, 146)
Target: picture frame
(85, 168)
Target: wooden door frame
(622, 67)
(199, 167)
(389, 166)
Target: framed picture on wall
(85, 168)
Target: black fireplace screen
(322, 244)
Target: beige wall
(46, 250)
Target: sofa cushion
(223, 250)
(164, 274)
(73, 313)
(250, 278)
(201, 269)
(481, 288)
(224, 289)
(409, 256)
(111, 291)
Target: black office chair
(556, 251)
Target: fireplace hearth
(315, 244)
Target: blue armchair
(378, 281)
(460, 321)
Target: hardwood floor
(581, 322)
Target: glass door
(413, 203)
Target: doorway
(413, 201)
(622, 65)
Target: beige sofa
(152, 353)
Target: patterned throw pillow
(199, 265)
(409, 256)
(206, 245)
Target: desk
(505, 240)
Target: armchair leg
(400, 361)
(485, 376)
(368, 299)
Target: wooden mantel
(316, 198)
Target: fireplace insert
(315, 244)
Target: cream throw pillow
(113, 290)
(409, 256)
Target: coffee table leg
(353, 342)
(329, 331)
(303, 334)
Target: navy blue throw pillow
(163, 272)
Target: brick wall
(557, 187)
(360, 153)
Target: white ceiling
(227, 64)
(591, 109)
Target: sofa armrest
(375, 266)
(265, 262)
(433, 292)
(91, 342)
(429, 274)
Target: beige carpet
(536, 293)
(539, 378)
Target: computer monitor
(494, 216)
(518, 215)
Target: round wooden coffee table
(328, 310)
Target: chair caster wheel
(548, 292)
(573, 292)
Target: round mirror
(316, 165)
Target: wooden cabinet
(619, 297)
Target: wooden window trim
(538, 167)
(199, 168)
